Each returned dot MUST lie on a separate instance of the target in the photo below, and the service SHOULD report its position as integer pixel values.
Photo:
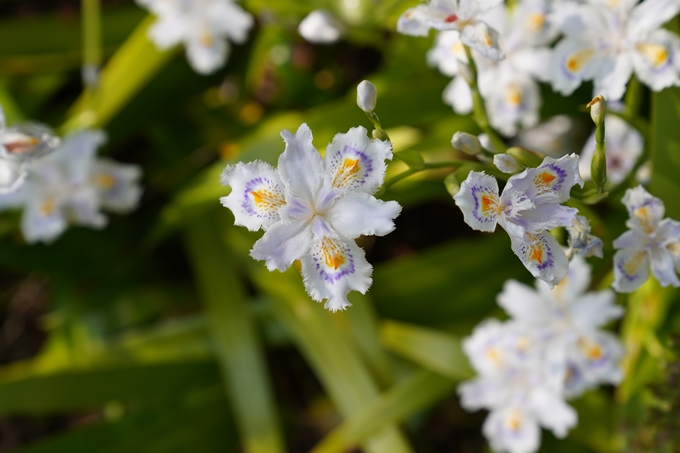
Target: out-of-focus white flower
(554, 137)
(527, 209)
(71, 186)
(460, 15)
(367, 96)
(19, 145)
(520, 382)
(624, 148)
(312, 209)
(568, 318)
(581, 242)
(204, 26)
(608, 41)
(509, 86)
(320, 27)
(652, 241)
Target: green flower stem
(428, 166)
(379, 132)
(92, 36)
(633, 98)
(598, 166)
(479, 114)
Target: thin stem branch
(479, 108)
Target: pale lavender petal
(645, 210)
(300, 166)
(631, 269)
(511, 429)
(334, 267)
(283, 243)
(663, 267)
(357, 214)
(478, 199)
(542, 256)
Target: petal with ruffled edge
(572, 62)
(552, 412)
(542, 256)
(458, 95)
(656, 59)
(546, 217)
(645, 210)
(300, 166)
(574, 283)
(487, 348)
(356, 163)
(283, 243)
(117, 185)
(334, 267)
(12, 176)
(631, 269)
(478, 199)
(550, 182)
(75, 157)
(483, 39)
(357, 214)
(513, 430)
(257, 194)
(83, 208)
(593, 310)
(43, 219)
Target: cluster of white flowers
(71, 185)
(312, 208)
(203, 26)
(550, 350)
(528, 208)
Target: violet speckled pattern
(248, 203)
(337, 163)
(475, 191)
(326, 272)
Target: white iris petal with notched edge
(312, 209)
(652, 241)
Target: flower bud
(467, 143)
(598, 107)
(367, 96)
(320, 27)
(507, 164)
(598, 167)
(525, 157)
(452, 184)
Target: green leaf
(429, 348)
(337, 365)
(665, 148)
(92, 388)
(237, 346)
(128, 70)
(415, 393)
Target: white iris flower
(18, 146)
(652, 241)
(608, 41)
(203, 26)
(312, 208)
(72, 186)
(460, 15)
(527, 209)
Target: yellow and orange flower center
(579, 59)
(265, 199)
(333, 256)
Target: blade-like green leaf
(337, 365)
(666, 149)
(429, 348)
(237, 346)
(413, 394)
(128, 70)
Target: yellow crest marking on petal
(513, 96)
(346, 172)
(657, 54)
(590, 349)
(514, 421)
(266, 200)
(333, 255)
(674, 248)
(494, 356)
(633, 264)
(206, 38)
(579, 59)
(644, 216)
(47, 207)
(535, 21)
(105, 181)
